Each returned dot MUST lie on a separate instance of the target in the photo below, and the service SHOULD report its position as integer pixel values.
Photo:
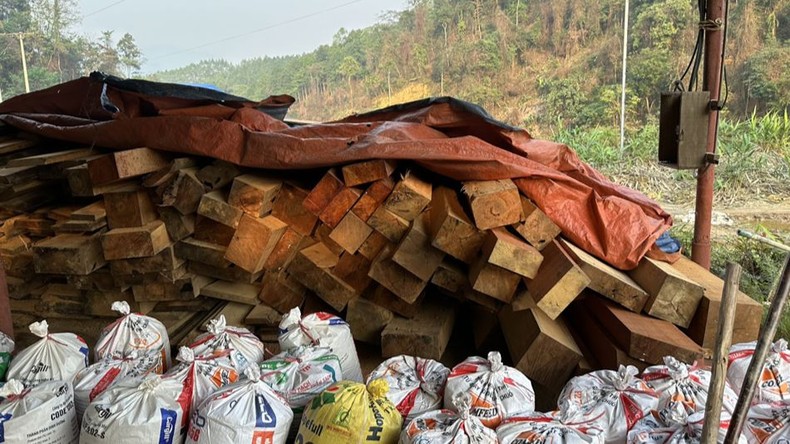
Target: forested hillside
(531, 62)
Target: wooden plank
(50, 158)
(124, 243)
(748, 312)
(607, 280)
(124, 164)
(373, 245)
(288, 208)
(285, 249)
(673, 296)
(494, 203)
(163, 261)
(167, 173)
(254, 194)
(373, 198)
(163, 291)
(80, 184)
(493, 281)
(10, 146)
(368, 171)
(389, 224)
(537, 228)
(425, 335)
(451, 277)
(214, 206)
(68, 254)
(281, 291)
(351, 233)
(415, 252)
(217, 175)
(367, 320)
(558, 282)
(16, 175)
(312, 268)
(208, 230)
(643, 337)
(179, 226)
(409, 197)
(381, 296)
(91, 213)
(353, 269)
(129, 208)
(232, 291)
(254, 241)
(507, 251)
(204, 252)
(322, 234)
(323, 193)
(451, 229)
(184, 192)
(264, 315)
(395, 278)
(229, 273)
(341, 204)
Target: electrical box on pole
(683, 129)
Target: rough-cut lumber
(91, 213)
(415, 252)
(213, 206)
(425, 335)
(323, 192)
(451, 277)
(124, 243)
(748, 312)
(285, 249)
(451, 229)
(351, 233)
(389, 224)
(281, 291)
(288, 208)
(385, 298)
(353, 269)
(254, 194)
(232, 291)
(494, 203)
(372, 198)
(164, 291)
(229, 273)
(367, 320)
(589, 332)
(14, 145)
(312, 268)
(607, 280)
(264, 315)
(558, 282)
(537, 228)
(395, 278)
(183, 192)
(673, 296)
(643, 337)
(165, 174)
(361, 173)
(50, 158)
(507, 251)
(163, 261)
(208, 230)
(341, 204)
(254, 241)
(179, 226)
(409, 197)
(323, 234)
(492, 280)
(203, 252)
(68, 254)
(128, 208)
(373, 245)
(124, 164)
(542, 348)
(217, 175)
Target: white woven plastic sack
(301, 373)
(133, 332)
(679, 429)
(610, 400)
(448, 427)
(92, 381)
(135, 411)
(54, 357)
(774, 382)
(540, 428)
(201, 376)
(497, 391)
(416, 384)
(6, 348)
(324, 330)
(683, 387)
(245, 412)
(768, 423)
(40, 415)
(245, 348)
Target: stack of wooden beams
(410, 260)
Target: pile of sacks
(221, 390)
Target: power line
(265, 28)
(103, 9)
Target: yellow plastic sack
(350, 412)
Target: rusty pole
(716, 13)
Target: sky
(174, 33)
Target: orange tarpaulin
(449, 137)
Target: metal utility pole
(622, 86)
(716, 17)
(24, 61)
